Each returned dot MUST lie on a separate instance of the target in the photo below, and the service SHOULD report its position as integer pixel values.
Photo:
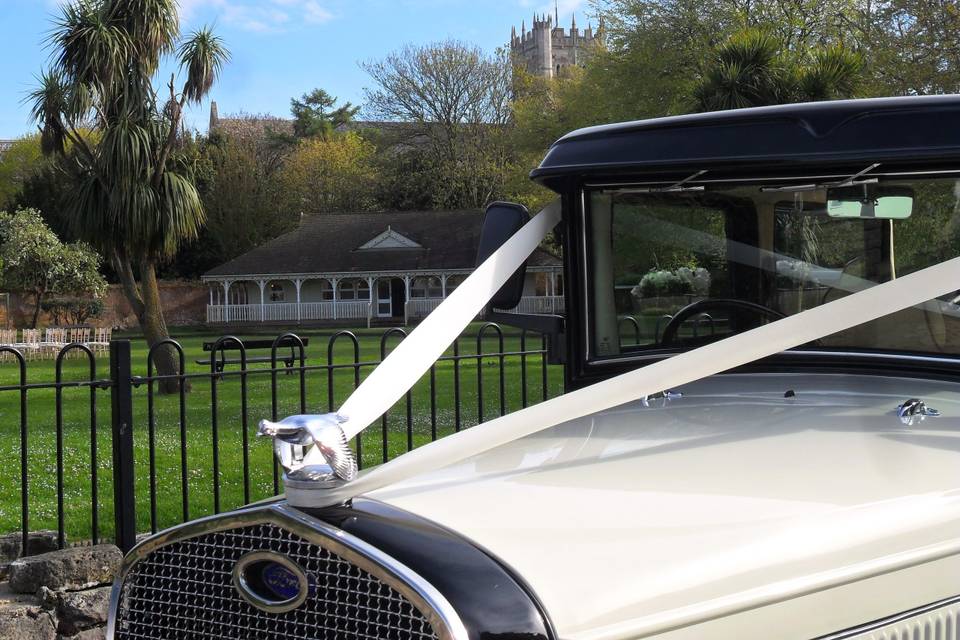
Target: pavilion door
(384, 299)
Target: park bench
(220, 359)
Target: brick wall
(184, 304)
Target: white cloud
(315, 13)
(263, 16)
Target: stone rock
(11, 545)
(21, 618)
(81, 610)
(17, 626)
(47, 598)
(10, 600)
(37, 542)
(76, 568)
(90, 634)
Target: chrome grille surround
(179, 584)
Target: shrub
(671, 283)
(72, 310)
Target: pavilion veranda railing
(106, 452)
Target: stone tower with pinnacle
(547, 48)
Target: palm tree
(752, 69)
(135, 199)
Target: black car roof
(898, 132)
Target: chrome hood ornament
(295, 439)
(915, 411)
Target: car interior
(674, 268)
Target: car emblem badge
(270, 581)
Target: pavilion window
(453, 282)
(540, 284)
(418, 289)
(363, 290)
(277, 292)
(238, 294)
(326, 291)
(348, 290)
(434, 288)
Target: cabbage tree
(754, 68)
(135, 199)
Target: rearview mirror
(870, 201)
(500, 222)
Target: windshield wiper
(673, 188)
(846, 182)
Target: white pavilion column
(226, 300)
(336, 295)
(443, 285)
(370, 301)
(298, 283)
(406, 300)
(263, 286)
(552, 290)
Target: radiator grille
(184, 590)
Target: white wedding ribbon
(414, 356)
(681, 369)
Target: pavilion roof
(371, 242)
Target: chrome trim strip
(430, 602)
(873, 354)
(877, 625)
(826, 355)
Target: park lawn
(232, 421)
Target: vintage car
(760, 436)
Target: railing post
(121, 397)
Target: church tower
(547, 48)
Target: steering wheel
(848, 270)
(670, 332)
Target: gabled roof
(334, 243)
(389, 239)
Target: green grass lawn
(233, 423)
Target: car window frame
(583, 369)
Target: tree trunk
(38, 297)
(165, 359)
(121, 264)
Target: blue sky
(281, 48)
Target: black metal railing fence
(179, 446)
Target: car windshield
(673, 269)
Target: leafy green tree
(47, 185)
(658, 51)
(37, 263)
(135, 199)
(18, 164)
(912, 46)
(335, 174)
(245, 202)
(450, 103)
(316, 114)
